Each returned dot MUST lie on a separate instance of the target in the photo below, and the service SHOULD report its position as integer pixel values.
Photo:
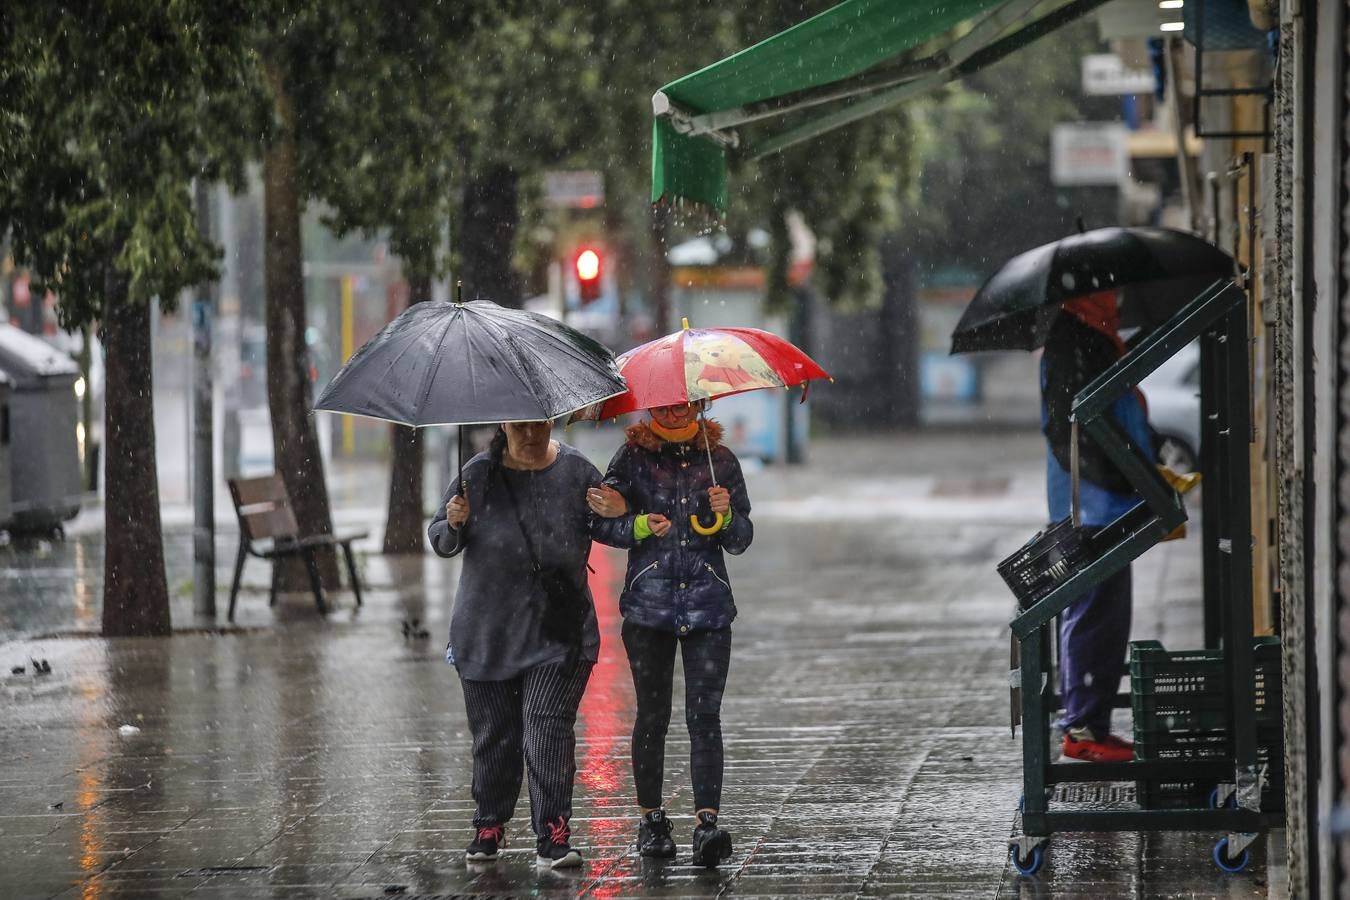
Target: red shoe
(1081, 743)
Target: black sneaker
(654, 836)
(552, 849)
(712, 845)
(487, 845)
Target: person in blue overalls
(1094, 631)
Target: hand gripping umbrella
(471, 364)
(701, 364)
(1156, 267)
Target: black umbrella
(1015, 308)
(470, 364)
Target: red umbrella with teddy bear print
(696, 364)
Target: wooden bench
(268, 530)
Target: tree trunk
(295, 444)
(899, 328)
(91, 445)
(135, 593)
(659, 275)
(489, 215)
(403, 522)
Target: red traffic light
(587, 265)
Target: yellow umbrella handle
(719, 521)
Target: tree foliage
(984, 193)
(109, 112)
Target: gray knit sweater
(495, 631)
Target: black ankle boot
(654, 836)
(712, 845)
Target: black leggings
(651, 655)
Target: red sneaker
(1081, 743)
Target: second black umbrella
(1014, 308)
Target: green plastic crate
(1186, 691)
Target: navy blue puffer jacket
(677, 582)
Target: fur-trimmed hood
(709, 436)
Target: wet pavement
(868, 752)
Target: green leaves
(112, 111)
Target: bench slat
(277, 522)
(263, 489)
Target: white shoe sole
(571, 861)
(481, 857)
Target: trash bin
(6, 432)
(44, 458)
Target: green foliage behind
(108, 112)
(984, 193)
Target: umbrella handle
(719, 521)
(459, 460)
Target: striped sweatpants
(525, 723)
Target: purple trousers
(1094, 634)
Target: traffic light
(587, 265)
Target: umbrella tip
(459, 292)
(684, 323)
(1081, 228)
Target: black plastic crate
(1173, 794)
(1211, 746)
(1046, 561)
(1196, 795)
(1168, 747)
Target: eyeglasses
(672, 408)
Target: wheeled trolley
(1061, 563)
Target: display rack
(1072, 560)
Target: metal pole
(203, 438)
(1073, 474)
(1185, 167)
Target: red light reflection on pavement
(606, 710)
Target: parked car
(1173, 395)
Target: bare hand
(457, 511)
(605, 501)
(720, 499)
(658, 523)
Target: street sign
(575, 189)
(1104, 74)
(1088, 153)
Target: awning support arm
(683, 122)
(873, 80)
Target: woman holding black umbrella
(523, 634)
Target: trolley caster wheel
(1029, 864)
(1228, 803)
(1228, 863)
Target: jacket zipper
(632, 583)
(713, 573)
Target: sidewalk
(868, 753)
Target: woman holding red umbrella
(677, 593)
(675, 475)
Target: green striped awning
(851, 60)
